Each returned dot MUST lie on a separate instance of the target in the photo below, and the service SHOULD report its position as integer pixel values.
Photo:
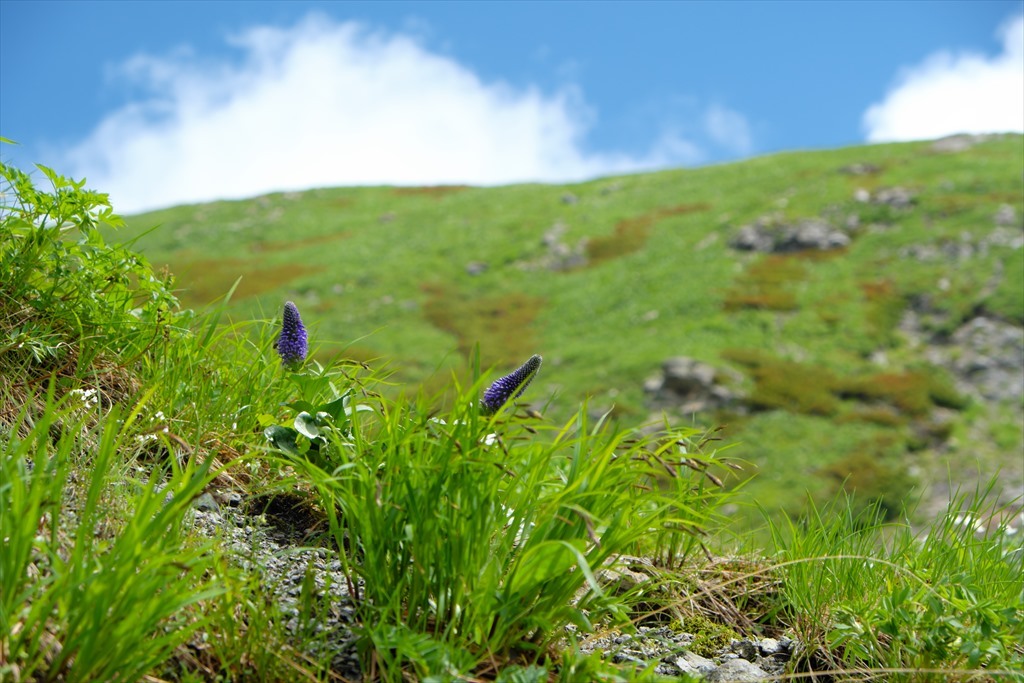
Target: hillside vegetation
(843, 359)
(316, 473)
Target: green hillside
(187, 496)
(609, 278)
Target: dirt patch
(436, 191)
(202, 281)
(631, 233)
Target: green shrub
(913, 392)
(67, 297)
(786, 385)
(767, 284)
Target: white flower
(89, 397)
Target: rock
(1006, 215)
(569, 198)
(769, 647)
(990, 358)
(206, 503)
(745, 649)
(985, 355)
(860, 169)
(559, 255)
(691, 386)
(476, 267)
(770, 235)
(736, 671)
(620, 579)
(691, 663)
(896, 197)
(959, 143)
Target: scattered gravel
(741, 660)
(271, 552)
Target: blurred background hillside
(624, 188)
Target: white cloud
(729, 129)
(323, 104)
(955, 93)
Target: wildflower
(510, 386)
(292, 345)
(88, 397)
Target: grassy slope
(109, 401)
(382, 273)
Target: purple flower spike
(292, 345)
(510, 386)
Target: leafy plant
(62, 287)
(319, 429)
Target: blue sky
(161, 103)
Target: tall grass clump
(94, 576)
(472, 540)
(872, 600)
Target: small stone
(769, 647)
(736, 671)
(1006, 215)
(569, 198)
(896, 197)
(206, 503)
(692, 663)
(744, 648)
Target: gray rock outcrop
(771, 235)
(990, 358)
(692, 386)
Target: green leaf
(282, 438)
(336, 408)
(358, 408)
(300, 406)
(306, 425)
(541, 563)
